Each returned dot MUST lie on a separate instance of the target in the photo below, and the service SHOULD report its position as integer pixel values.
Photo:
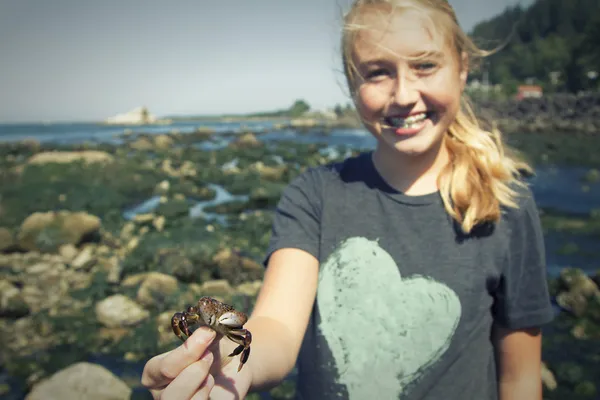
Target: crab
(222, 318)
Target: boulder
(120, 311)
(81, 381)
(48, 231)
(64, 157)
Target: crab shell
(219, 316)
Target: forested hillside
(550, 39)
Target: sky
(87, 60)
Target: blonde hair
(482, 173)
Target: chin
(413, 146)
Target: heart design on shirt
(383, 330)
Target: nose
(405, 91)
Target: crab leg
(181, 322)
(242, 337)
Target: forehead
(399, 33)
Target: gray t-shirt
(405, 301)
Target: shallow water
(564, 189)
(196, 210)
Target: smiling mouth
(406, 123)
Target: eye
(375, 73)
(426, 66)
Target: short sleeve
(296, 222)
(522, 299)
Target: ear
(464, 69)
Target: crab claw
(179, 324)
(233, 319)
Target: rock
(578, 281)
(250, 289)
(132, 244)
(569, 372)
(81, 381)
(573, 302)
(220, 289)
(50, 230)
(246, 140)
(188, 168)
(155, 288)
(119, 311)
(143, 218)
(134, 280)
(7, 240)
(63, 157)
(163, 142)
(586, 389)
(303, 123)
(580, 289)
(236, 268)
(12, 303)
(179, 265)
(162, 188)
(579, 331)
(68, 252)
(127, 231)
(270, 173)
(548, 378)
(159, 223)
(163, 326)
(113, 266)
(85, 259)
(45, 278)
(142, 144)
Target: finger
(161, 370)
(190, 380)
(155, 393)
(230, 384)
(152, 369)
(205, 390)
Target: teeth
(407, 122)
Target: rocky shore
(101, 244)
(565, 113)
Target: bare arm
(280, 317)
(519, 355)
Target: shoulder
(524, 199)
(331, 174)
(524, 219)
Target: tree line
(552, 43)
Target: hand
(196, 371)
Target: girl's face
(406, 104)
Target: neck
(411, 175)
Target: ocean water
(70, 133)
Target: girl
(415, 271)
